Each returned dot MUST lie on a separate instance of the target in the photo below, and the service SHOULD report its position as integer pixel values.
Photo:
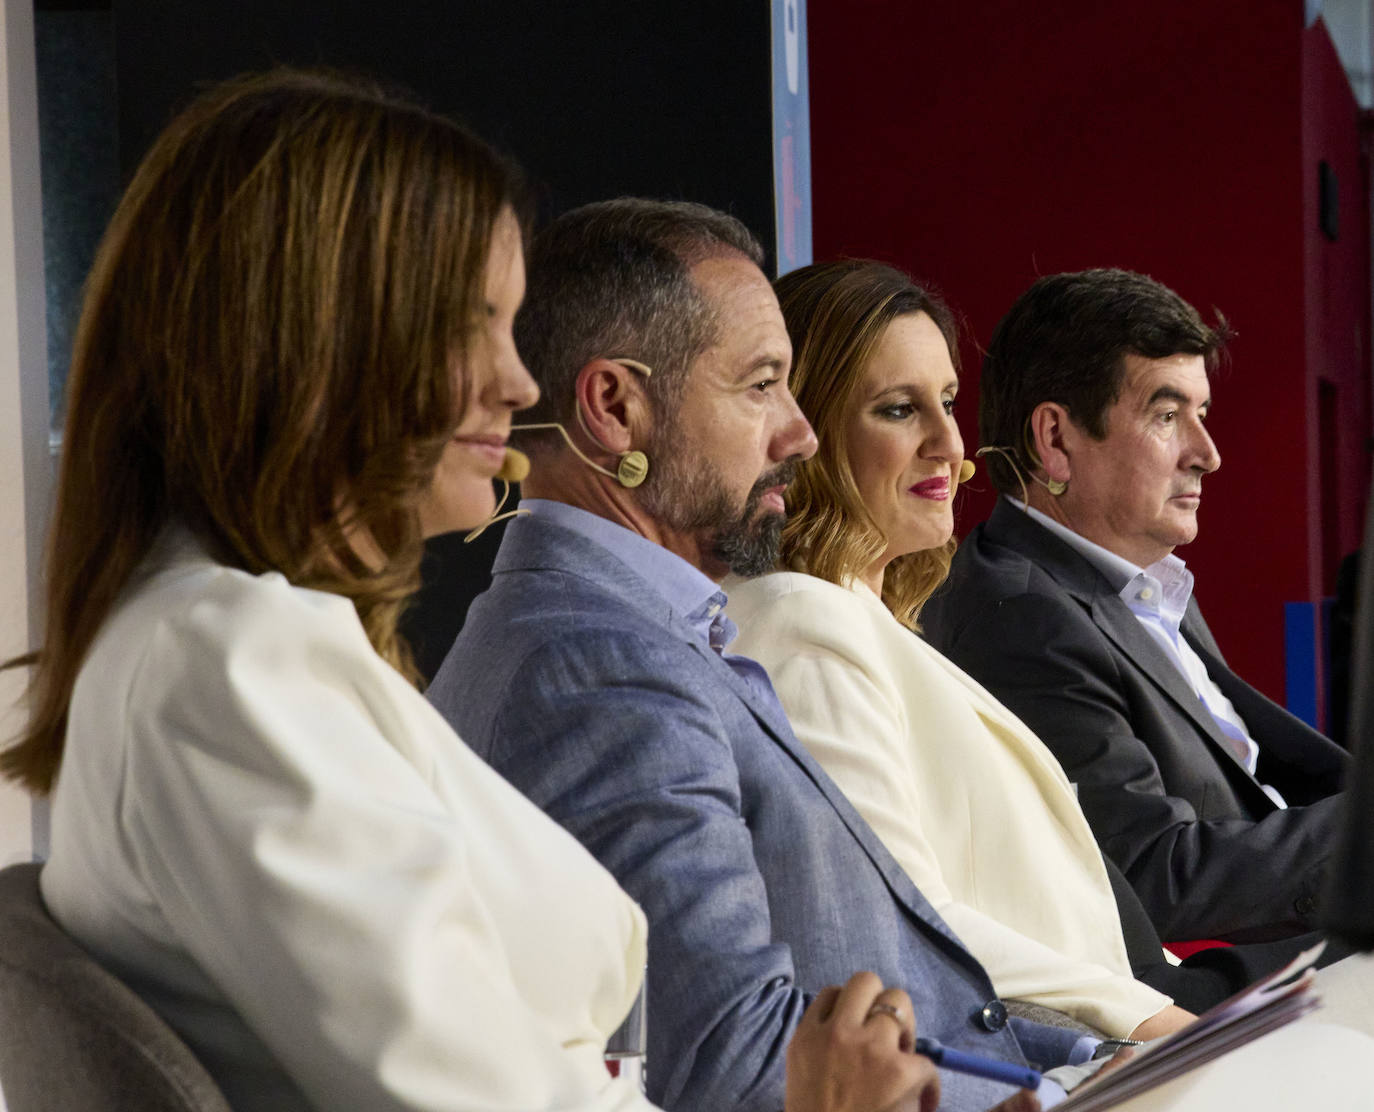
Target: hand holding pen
(852, 1053)
(856, 1050)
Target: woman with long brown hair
(968, 800)
(295, 360)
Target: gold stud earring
(1056, 486)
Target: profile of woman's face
(902, 443)
(461, 495)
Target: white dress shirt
(1158, 597)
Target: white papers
(1269, 1003)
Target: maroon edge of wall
(982, 145)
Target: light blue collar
(689, 592)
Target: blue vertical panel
(1328, 607)
(791, 136)
(1300, 660)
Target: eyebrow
(1173, 394)
(763, 363)
(911, 388)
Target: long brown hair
(264, 355)
(836, 315)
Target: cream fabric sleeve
(399, 926)
(825, 653)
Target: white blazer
(966, 798)
(274, 838)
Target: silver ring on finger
(879, 1008)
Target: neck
(562, 478)
(1041, 499)
(873, 577)
(1055, 509)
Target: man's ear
(1051, 434)
(613, 406)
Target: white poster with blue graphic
(791, 136)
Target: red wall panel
(988, 143)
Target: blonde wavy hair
(264, 356)
(836, 315)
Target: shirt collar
(1117, 570)
(1168, 582)
(689, 592)
(1163, 588)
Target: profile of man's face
(1136, 492)
(720, 463)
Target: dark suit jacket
(1209, 853)
(575, 679)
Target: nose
(513, 387)
(1204, 456)
(794, 438)
(945, 442)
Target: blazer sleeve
(1237, 877)
(838, 687)
(609, 736)
(313, 875)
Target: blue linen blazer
(575, 679)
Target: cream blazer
(285, 849)
(966, 798)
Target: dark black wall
(595, 98)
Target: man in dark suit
(1218, 805)
(595, 673)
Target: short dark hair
(611, 279)
(1065, 340)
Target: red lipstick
(936, 489)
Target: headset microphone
(632, 470)
(514, 467)
(633, 466)
(966, 470)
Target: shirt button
(993, 1017)
(1147, 593)
(713, 610)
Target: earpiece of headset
(631, 470)
(632, 467)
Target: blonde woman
(968, 800)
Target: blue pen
(946, 1058)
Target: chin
(455, 515)
(930, 538)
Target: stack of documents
(1263, 1007)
